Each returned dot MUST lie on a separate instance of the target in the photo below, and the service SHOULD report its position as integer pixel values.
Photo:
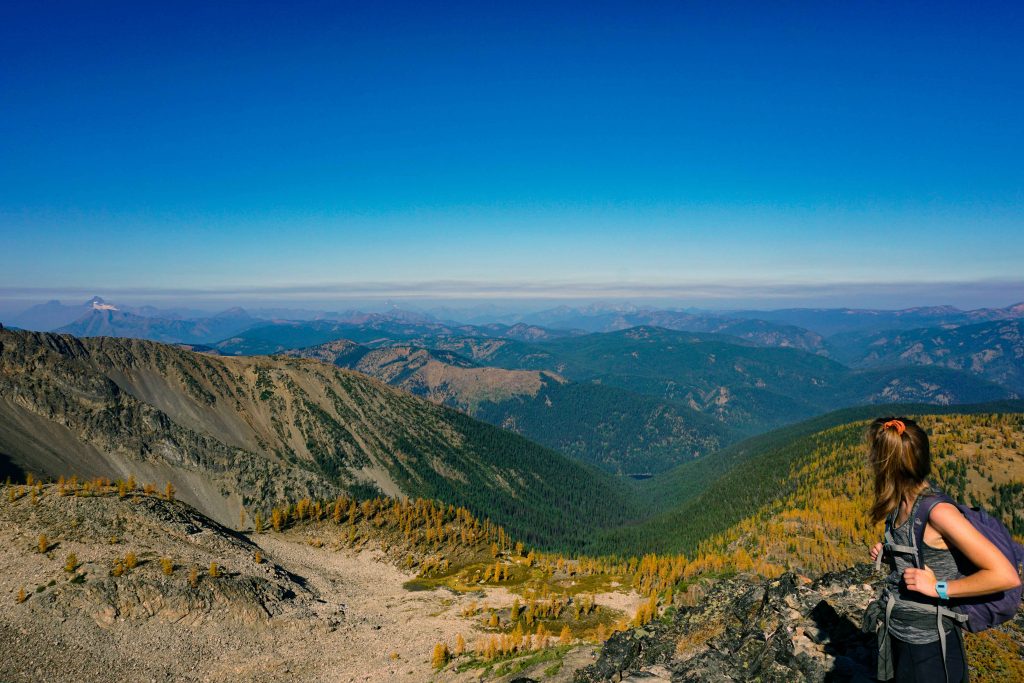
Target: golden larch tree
(440, 656)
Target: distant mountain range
(369, 329)
(608, 317)
(755, 329)
(830, 321)
(993, 350)
(634, 401)
(54, 314)
(633, 390)
(802, 328)
(110, 322)
(746, 386)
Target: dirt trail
(382, 619)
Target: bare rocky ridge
(787, 630)
(234, 433)
(90, 624)
(439, 376)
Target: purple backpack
(985, 611)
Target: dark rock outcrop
(784, 630)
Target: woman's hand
(921, 581)
(875, 549)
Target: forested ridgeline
(707, 496)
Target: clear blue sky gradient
(206, 145)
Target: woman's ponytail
(900, 458)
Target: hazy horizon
(516, 298)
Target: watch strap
(941, 587)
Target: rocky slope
(231, 433)
(121, 589)
(98, 603)
(785, 630)
(991, 350)
(439, 376)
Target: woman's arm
(995, 573)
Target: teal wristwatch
(940, 588)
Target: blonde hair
(901, 460)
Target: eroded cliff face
(785, 630)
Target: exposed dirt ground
(304, 613)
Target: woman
(959, 562)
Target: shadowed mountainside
(229, 432)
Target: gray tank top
(907, 623)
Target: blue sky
(224, 146)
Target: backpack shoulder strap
(891, 546)
(929, 499)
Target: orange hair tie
(898, 424)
